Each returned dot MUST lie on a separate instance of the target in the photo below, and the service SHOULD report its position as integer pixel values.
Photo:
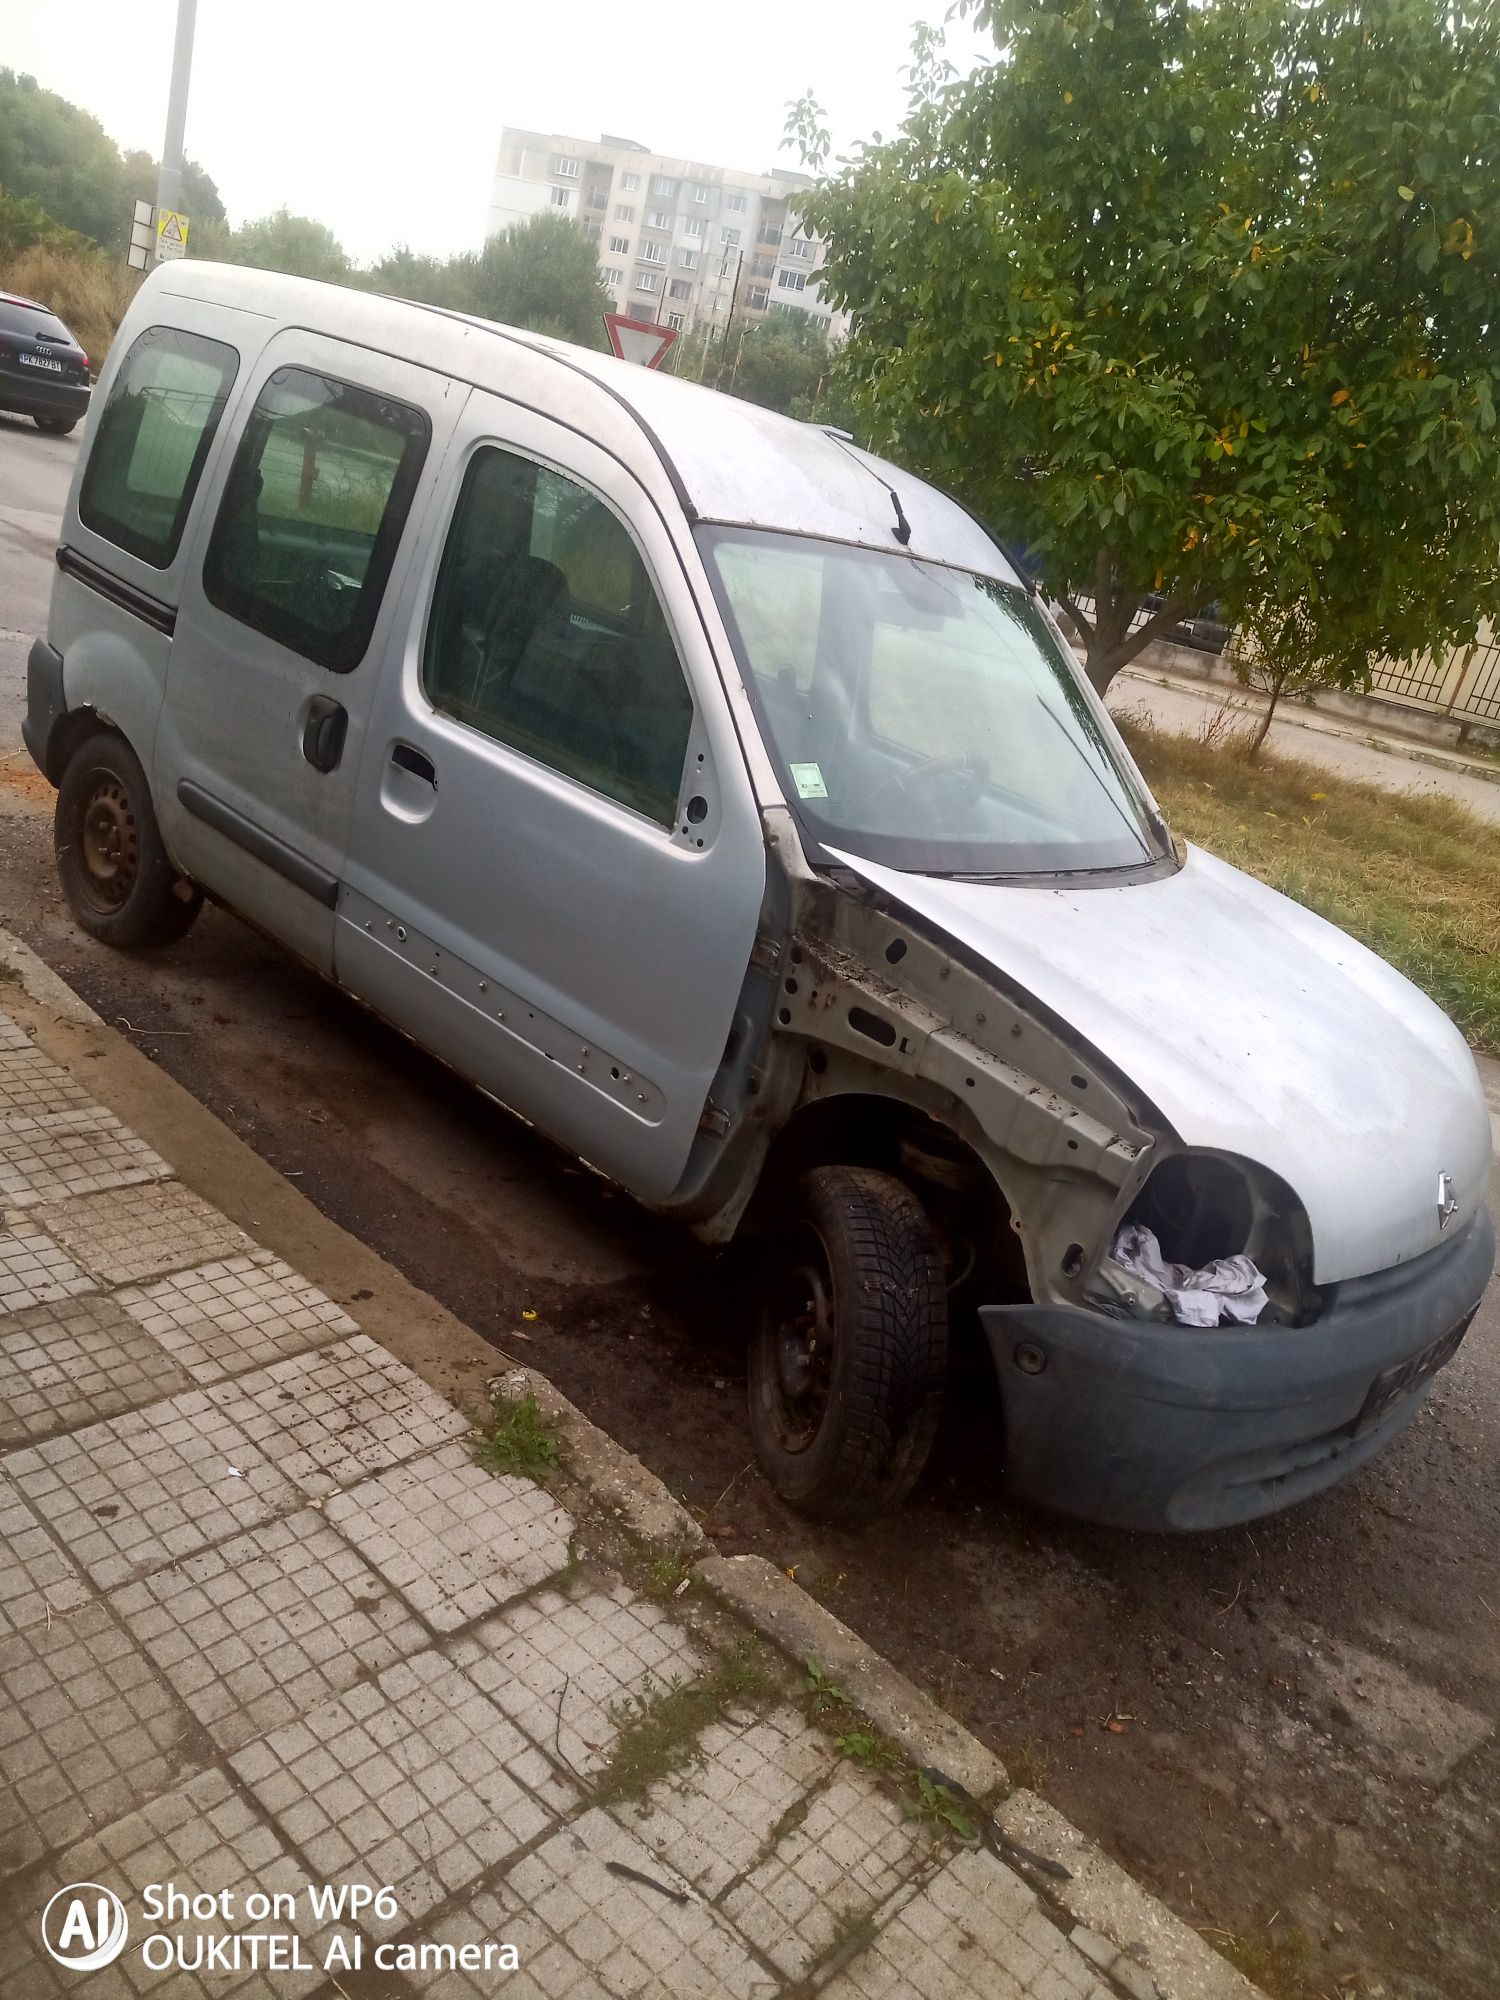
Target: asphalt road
(34, 476)
(1289, 1731)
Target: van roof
(727, 460)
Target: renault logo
(1447, 1200)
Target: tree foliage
(543, 274)
(63, 161)
(785, 363)
(1199, 298)
(279, 242)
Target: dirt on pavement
(1287, 1731)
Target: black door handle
(323, 731)
(416, 761)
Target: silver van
(718, 798)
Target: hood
(1255, 1028)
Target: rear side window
(312, 512)
(152, 440)
(546, 634)
(18, 318)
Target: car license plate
(42, 361)
(1407, 1377)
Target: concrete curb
(781, 1609)
(611, 1475)
(1135, 1941)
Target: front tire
(115, 873)
(850, 1349)
(56, 426)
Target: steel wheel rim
(109, 844)
(801, 1335)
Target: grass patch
(1415, 879)
(1275, 1962)
(666, 1574)
(519, 1441)
(660, 1731)
(922, 1796)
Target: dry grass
(87, 289)
(1416, 879)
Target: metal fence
(1463, 684)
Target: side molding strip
(298, 870)
(148, 609)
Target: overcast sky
(384, 120)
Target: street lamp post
(169, 178)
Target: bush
(87, 289)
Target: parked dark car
(44, 373)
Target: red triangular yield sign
(639, 339)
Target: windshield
(924, 717)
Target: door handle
(406, 758)
(324, 728)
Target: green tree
(1183, 294)
(404, 273)
(279, 242)
(200, 196)
(542, 274)
(785, 363)
(55, 155)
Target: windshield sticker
(808, 778)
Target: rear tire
(55, 426)
(850, 1350)
(120, 885)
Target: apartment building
(680, 242)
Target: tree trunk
(1108, 640)
(1252, 750)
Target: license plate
(41, 361)
(1408, 1376)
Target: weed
(825, 1698)
(659, 1732)
(1274, 1961)
(933, 1803)
(666, 1574)
(518, 1441)
(870, 1747)
(1027, 1765)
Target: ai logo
(85, 1926)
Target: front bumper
(1146, 1426)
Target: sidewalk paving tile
(103, 1733)
(235, 1314)
(558, 1666)
(851, 1851)
(33, 1087)
(336, 1415)
(13, 1035)
(634, 1940)
(125, 1235)
(973, 1928)
(259, 1630)
(34, 1267)
(547, 1969)
(71, 1363)
(71, 1153)
(130, 1494)
(455, 1539)
(714, 1821)
(37, 1581)
(413, 1779)
(199, 1836)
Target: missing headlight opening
(1208, 1241)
